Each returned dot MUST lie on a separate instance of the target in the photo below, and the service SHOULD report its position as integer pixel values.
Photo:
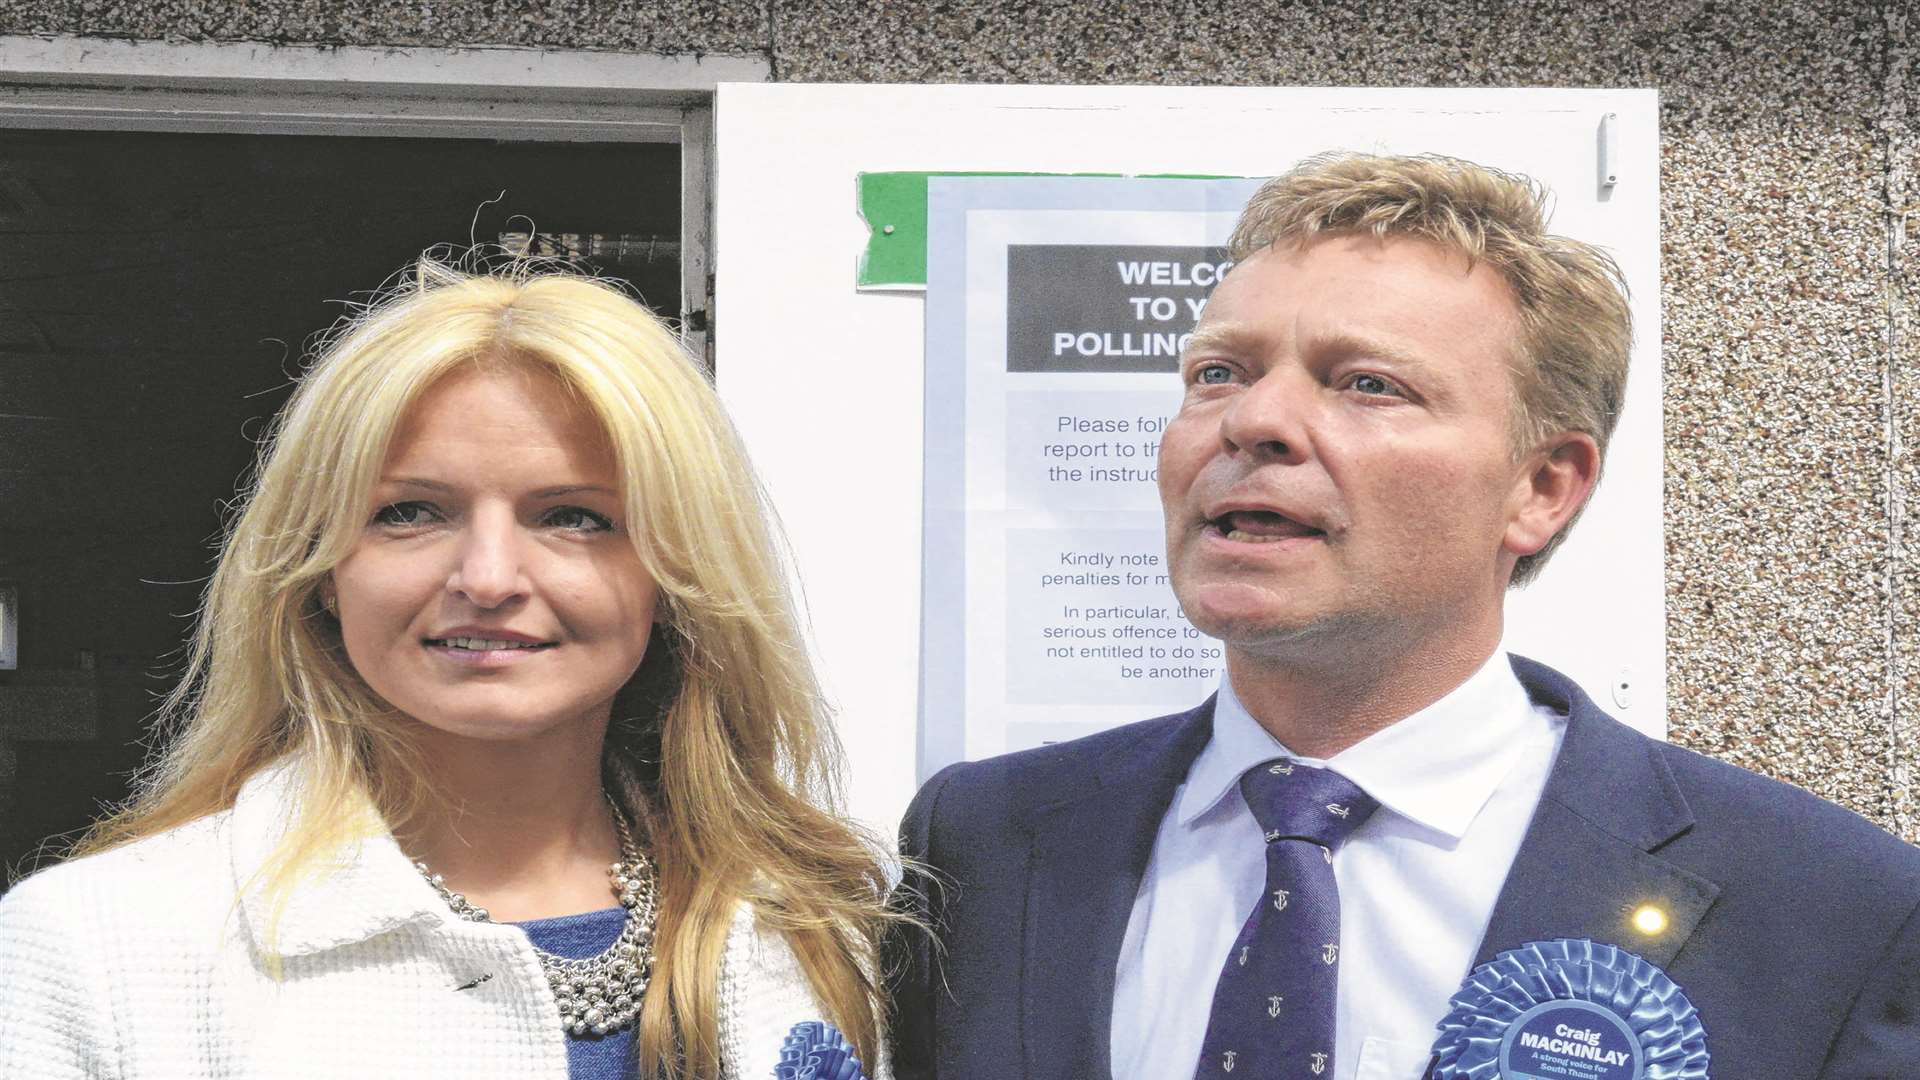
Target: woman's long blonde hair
(720, 744)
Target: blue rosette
(815, 1050)
(1517, 1000)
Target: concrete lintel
(72, 60)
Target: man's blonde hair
(1576, 332)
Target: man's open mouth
(1259, 527)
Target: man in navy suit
(1395, 405)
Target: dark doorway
(157, 291)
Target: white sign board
(1057, 309)
(827, 383)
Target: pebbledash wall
(1790, 148)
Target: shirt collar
(1437, 767)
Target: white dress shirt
(1457, 783)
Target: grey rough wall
(1790, 164)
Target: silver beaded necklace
(600, 994)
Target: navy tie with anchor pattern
(1272, 1012)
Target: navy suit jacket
(1794, 925)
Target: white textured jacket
(146, 961)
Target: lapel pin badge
(1649, 920)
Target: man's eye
(576, 519)
(1375, 386)
(1213, 374)
(405, 514)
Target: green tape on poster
(894, 206)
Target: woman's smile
(477, 652)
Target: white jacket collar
(367, 889)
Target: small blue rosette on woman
(1570, 1007)
(815, 1050)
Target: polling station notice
(1057, 312)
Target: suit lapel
(1589, 859)
(1089, 854)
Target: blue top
(578, 937)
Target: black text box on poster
(1105, 307)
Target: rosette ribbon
(815, 1050)
(1672, 1043)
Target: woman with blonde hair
(503, 608)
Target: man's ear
(1550, 488)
